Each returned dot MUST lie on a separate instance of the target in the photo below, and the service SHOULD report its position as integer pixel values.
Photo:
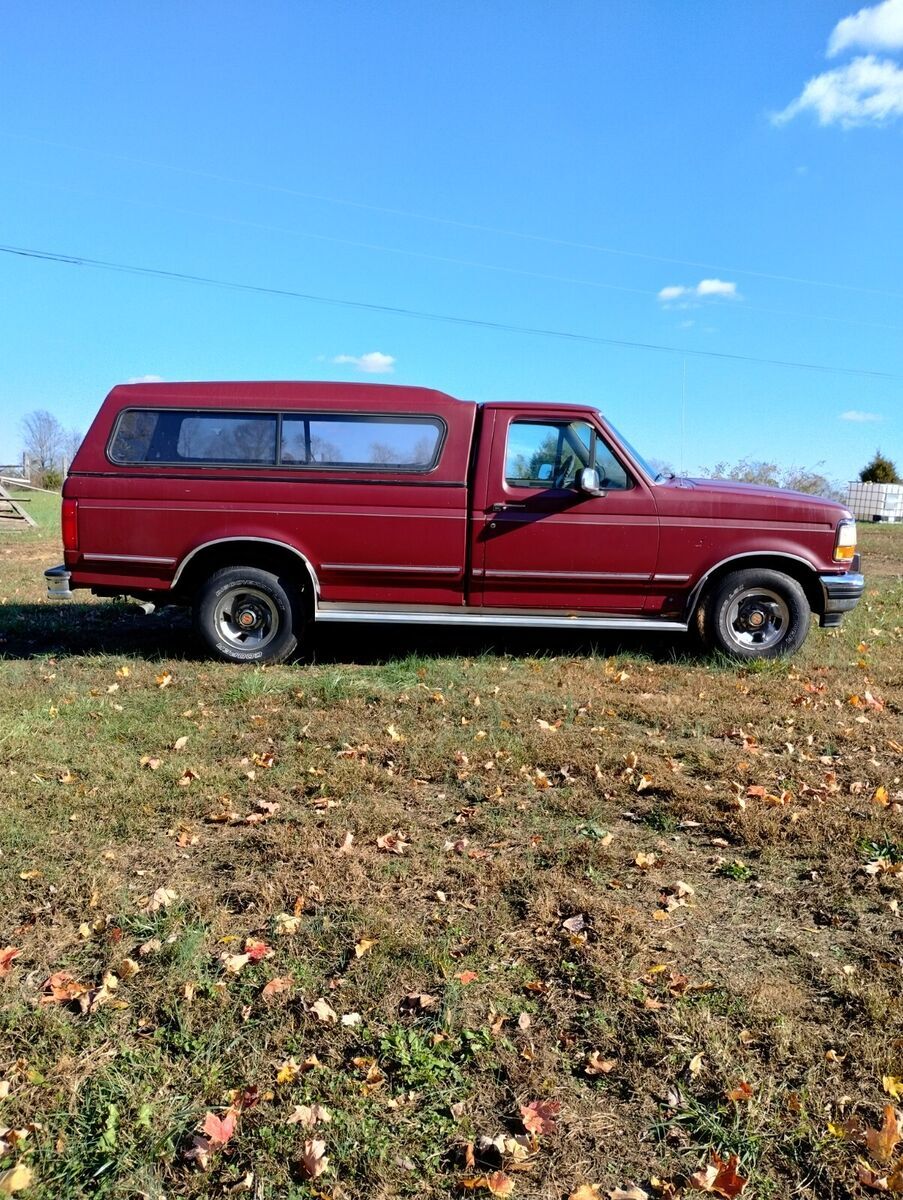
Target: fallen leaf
(180, 743)
(466, 977)
(597, 1065)
(587, 1191)
(308, 1116)
(16, 1179)
(288, 1072)
(361, 947)
(876, 1182)
(234, 963)
(632, 1192)
(285, 924)
(696, 1063)
(498, 1183)
(163, 897)
(7, 954)
(314, 1160)
(741, 1092)
(539, 1116)
(218, 1130)
(62, 988)
(720, 1177)
(893, 1085)
(257, 950)
(392, 843)
(282, 983)
(416, 1003)
(882, 1141)
(324, 1012)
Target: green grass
(520, 905)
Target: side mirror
(589, 483)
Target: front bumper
(58, 583)
(841, 593)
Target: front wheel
(755, 613)
(245, 614)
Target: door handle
(502, 507)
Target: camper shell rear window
(307, 440)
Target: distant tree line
(811, 480)
(50, 448)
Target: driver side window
(550, 454)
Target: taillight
(70, 524)
(845, 541)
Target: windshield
(637, 457)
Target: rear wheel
(755, 613)
(245, 614)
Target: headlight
(845, 541)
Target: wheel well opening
(278, 560)
(803, 574)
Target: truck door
(539, 542)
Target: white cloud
(716, 287)
(866, 90)
(373, 363)
(877, 28)
(854, 414)
(705, 289)
(145, 379)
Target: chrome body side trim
(589, 576)
(263, 541)
(135, 558)
(738, 558)
(480, 617)
(382, 568)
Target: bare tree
(72, 439)
(43, 438)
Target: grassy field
(437, 914)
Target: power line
(453, 222)
(419, 314)
(444, 258)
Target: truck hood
(729, 496)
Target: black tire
(754, 613)
(245, 614)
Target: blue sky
(543, 165)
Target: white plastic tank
(875, 501)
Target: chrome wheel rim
(757, 617)
(246, 618)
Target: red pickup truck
(268, 506)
